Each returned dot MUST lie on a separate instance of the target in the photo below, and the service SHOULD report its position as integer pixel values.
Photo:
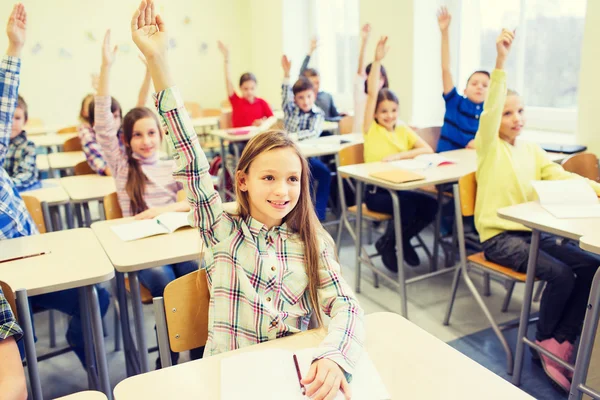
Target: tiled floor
(428, 299)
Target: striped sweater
(161, 188)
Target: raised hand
(108, 55)
(95, 81)
(223, 49)
(381, 49)
(365, 32)
(286, 64)
(314, 43)
(503, 46)
(444, 18)
(16, 29)
(148, 31)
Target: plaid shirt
(257, 277)
(91, 149)
(8, 325)
(305, 124)
(15, 220)
(20, 162)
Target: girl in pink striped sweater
(145, 185)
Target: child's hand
(503, 45)
(286, 64)
(108, 56)
(381, 49)
(223, 49)
(365, 32)
(258, 122)
(314, 43)
(471, 144)
(16, 29)
(149, 32)
(95, 81)
(325, 378)
(444, 18)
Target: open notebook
(572, 198)
(271, 374)
(164, 223)
(266, 125)
(423, 161)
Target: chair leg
(425, 249)
(455, 283)
(510, 285)
(338, 236)
(539, 291)
(370, 234)
(51, 329)
(486, 284)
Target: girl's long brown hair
(302, 219)
(136, 179)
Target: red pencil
(302, 388)
(22, 257)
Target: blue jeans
(157, 278)
(321, 174)
(67, 301)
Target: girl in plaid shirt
(271, 266)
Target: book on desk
(163, 224)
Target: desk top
(182, 245)
(83, 188)
(590, 243)
(87, 395)
(43, 129)
(205, 121)
(51, 192)
(327, 145)
(51, 140)
(41, 161)
(225, 135)
(74, 259)
(65, 160)
(417, 367)
(533, 216)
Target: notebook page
(173, 220)
(435, 159)
(260, 375)
(138, 229)
(565, 192)
(411, 164)
(366, 382)
(580, 211)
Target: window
(545, 60)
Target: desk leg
(131, 360)
(436, 236)
(88, 340)
(525, 310)
(399, 252)
(101, 210)
(98, 335)
(138, 317)
(586, 342)
(358, 231)
(30, 354)
(223, 183)
(79, 215)
(88, 216)
(69, 216)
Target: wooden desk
(65, 160)
(87, 395)
(43, 129)
(328, 145)
(73, 259)
(85, 188)
(51, 141)
(533, 216)
(417, 367)
(130, 257)
(41, 161)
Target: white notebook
(164, 223)
(572, 198)
(423, 161)
(271, 374)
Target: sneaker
(388, 253)
(554, 370)
(410, 254)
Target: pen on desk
(302, 388)
(23, 257)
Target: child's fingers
(152, 13)
(148, 13)
(162, 27)
(106, 42)
(345, 386)
(310, 376)
(141, 17)
(134, 20)
(24, 15)
(322, 381)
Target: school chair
(210, 112)
(464, 206)
(83, 168)
(584, 164)
(193, 109)
(73, 144)
(431, 135)
(346, 124)
(226, 104)
(68, 129)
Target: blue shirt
(15, 220)
(461, 122)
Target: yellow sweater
(380, 143)
(504, 171)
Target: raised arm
(313, 46)
(491, 117)
(444, 19)
(227, 69)
(287, 97)
(10, 68)
(373, 83)
(364, 38)
(145, 88)
(149, 32)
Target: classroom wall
(589, 80)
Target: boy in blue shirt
(15, 220)
(461, 119)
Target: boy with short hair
(20, 162)
(461, 119)
(305, 119)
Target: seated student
(20, 162)
(272, 266)
(461, 119)
(145, 186)
(12, 374)
(386, 140)
(247, 110)
(303, 118)
(506, 165)
(323, 100)
(17, 222)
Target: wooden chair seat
(479, 259)
(370, 215)
(144, 292)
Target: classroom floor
(428, 299)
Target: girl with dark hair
(387, 140)
(145, 186)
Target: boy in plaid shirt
(20, 161)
